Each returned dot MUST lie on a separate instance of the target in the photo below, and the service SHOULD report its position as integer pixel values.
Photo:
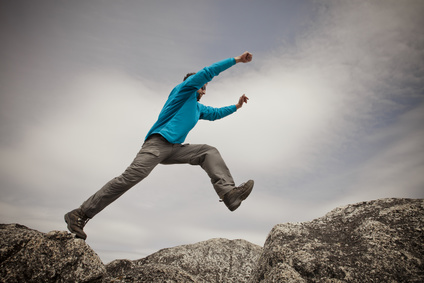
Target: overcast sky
(335, 115)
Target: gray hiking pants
(157, 150)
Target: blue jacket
(182, 110)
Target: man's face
(201, 92)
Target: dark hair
(188, 75)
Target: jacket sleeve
(212, 114)
(205, 75)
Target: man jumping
(163, 145)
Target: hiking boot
(233, 198)
(76, 220)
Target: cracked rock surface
(215, 260)
(27, 255)
(375, 241)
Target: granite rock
(128, 271)
(215, 260)
(375, 241)
(27, 255)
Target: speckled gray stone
(375, 241)
(27, 255)
(215, 260)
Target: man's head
(201, 91)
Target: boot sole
(68, 221)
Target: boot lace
(82, 221)
(236, 188)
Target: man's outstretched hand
(243, 99)
(244, 58)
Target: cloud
(396, 160)
(345, 77)
(107, 113)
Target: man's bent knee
(204, 153)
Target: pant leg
(150, 155)
(209, 159)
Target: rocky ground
(375, 241)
